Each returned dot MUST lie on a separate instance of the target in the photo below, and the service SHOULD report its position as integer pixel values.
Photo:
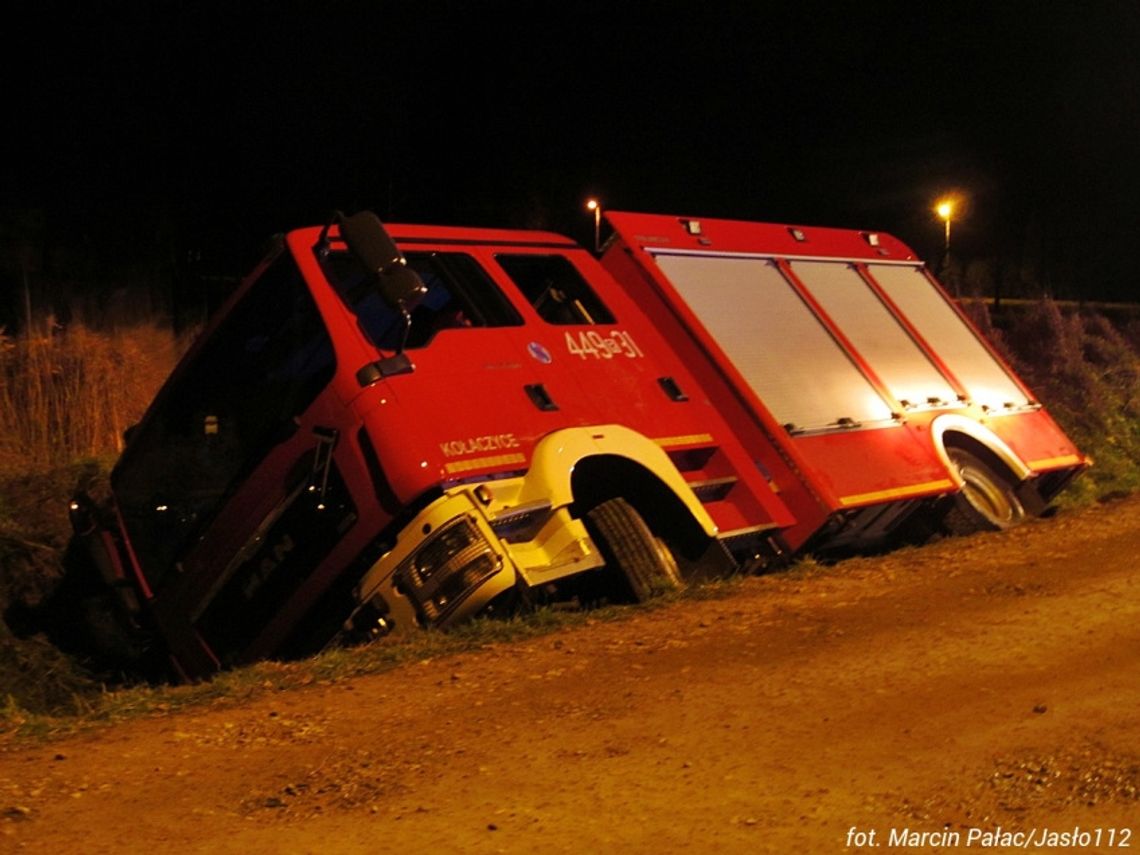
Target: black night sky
(195, 130)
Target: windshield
(229, 404)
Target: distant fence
(1099, 306)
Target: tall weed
(66, 394)
(69, 393)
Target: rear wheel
(987, 501)
(645, 563)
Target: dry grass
(69, 393)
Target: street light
(596, 206)
(945, 209)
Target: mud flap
(1030, 498)
(716, 561)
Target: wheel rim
(989, 498)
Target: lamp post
(596, 206)
(945, 209)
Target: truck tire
(987, 500)
(629, 547)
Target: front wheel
(987, 501)
(645, 563)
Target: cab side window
(556, 289)
(459, 294)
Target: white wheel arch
(554, 458)
(953, 423)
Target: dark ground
(975, 683)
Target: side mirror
(368, 240)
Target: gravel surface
(943, 698)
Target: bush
(65, 395)
(1086, 370)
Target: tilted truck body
(837, 350)
(374, 436)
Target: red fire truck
(386, 429)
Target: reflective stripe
(1056, 462)
(897, 493)
(692, 439)
(484, 462)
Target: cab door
(601, 343)
(478, 392)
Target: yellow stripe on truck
(897, 493)
(484, 462)
(1056, 462)
(692, 439)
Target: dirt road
(974, 685)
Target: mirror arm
(323, 241)
(390, 366)
(407, 316)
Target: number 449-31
(592, 343)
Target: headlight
(447, 568)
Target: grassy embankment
(65, 399)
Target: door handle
(540, 397)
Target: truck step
(713, 489)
